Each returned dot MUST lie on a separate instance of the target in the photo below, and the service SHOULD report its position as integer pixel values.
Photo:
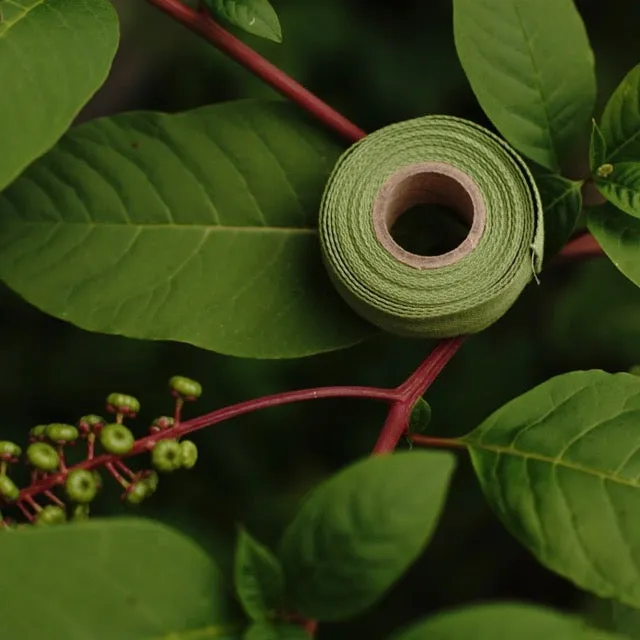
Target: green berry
(161, 423)
(61, 433)
(9, 450)
(37, 433)
(51, 514)
(185, 388)
(91, 423)
(166, 456)
(151, 480)
(117, 439)
(81, 486)
(43, 456)
(189, 453)
(122, 403)
(98, 478)
(8, 490)
(81, 512)
(136, 492)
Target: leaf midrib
(553, 461)
(9, 25)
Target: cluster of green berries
(45, 455)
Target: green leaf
(562, 204)
(267, 631)
(197, 227)
(597, 148)
(510, 50)
(359, 531)
(257, 17)
(619, 236)
(117, 578)
(503, 621)
(54, 55)
(420, 417)
(258, 577)
(560, 466)
(621, 120)
(621, 187)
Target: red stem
(206, 28)
(431, 442)
(580, 247)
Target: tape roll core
(429, 183)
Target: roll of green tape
(443, 160)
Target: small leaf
(420, 417)
(503, 621)
(509, 50)
(258, 577)
(560, 466)
(597, 148)
(269, 631)
(359, 531)
(621, 187)
(257, 17)
(198, 227)
(621, 120)
(54, 55)
(562, 205)
(116, 578)
(619, 236)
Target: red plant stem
(123, 467)
(91, 446)
(25, 512)
(206, 28)
(433, 442)
(54, 498)
(580, 247)
(109, 466)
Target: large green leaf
(562, 204)
(503, 621)
(532, 70)
(621, 187)
(275, 631)
(619, 236)
(597, 148)
(561, 467)
(621, 120)
(118, 578)
(54, 54)
(258, 577)
(359, 531)
(257, 17)
(197, 227)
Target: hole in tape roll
(429, 215)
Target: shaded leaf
(54, 55)
(560, 465)
(257, 17)
(258, 577)
(620, 123)
(597, 148)
(503, 621)
(359, 531)
(562, 205)
(509, 50)
(274, 631)
(117, 578)
(619, 236)
(420, 417)
(621, 187)
(197, 227)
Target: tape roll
(443, 160)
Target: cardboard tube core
(429, 183)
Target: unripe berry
(43, 456)
(166, 455)
(81, 486)
(80, 512)
(8, 490)
(161, 423)
(136, 492)
(51, 514)
(151, 479)
(36, 434)
(124, 404)
(61, 433)
(185, 388)
(9, 451)
(189, 454)
(117, 439)
(91, 423)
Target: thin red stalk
(54, 498)
(580, 247)
(25, 513)
(432, 441)
(123, 467)
(206, 28)
(109, 466)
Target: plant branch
(579, 248)
(204, 26)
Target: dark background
(377, 64)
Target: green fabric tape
(434, 159)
